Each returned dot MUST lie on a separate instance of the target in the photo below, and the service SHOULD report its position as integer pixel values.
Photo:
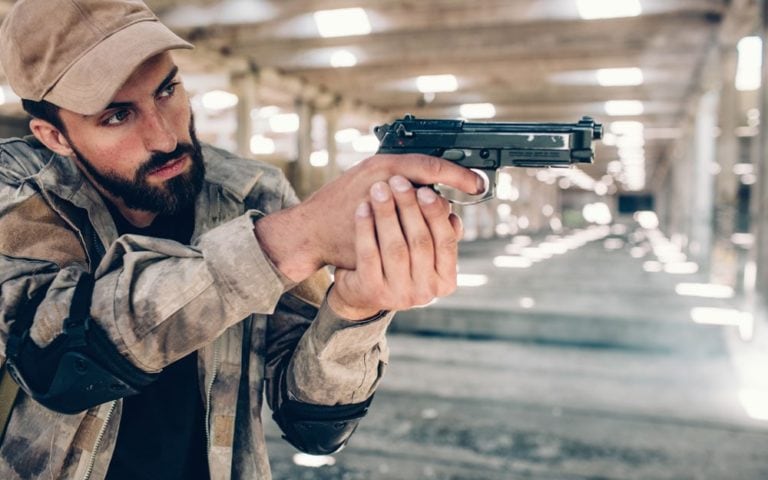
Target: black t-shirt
(162, 429)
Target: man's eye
(169, 90)
(117, 117)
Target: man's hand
(406, 249)
(320, 230)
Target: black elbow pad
(319, 429)
(80, 369)
(77, 371)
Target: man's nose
(158, 133)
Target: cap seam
(86, 16)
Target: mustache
(159, 159)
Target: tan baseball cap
(77, 54)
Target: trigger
(454, 155)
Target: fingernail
(399, 183)
(426, 195)
(363, 210)
(380, 192)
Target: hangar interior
(568, 270)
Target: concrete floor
(583, 366)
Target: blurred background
(610, 320)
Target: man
(153, 289)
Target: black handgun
(491, 146)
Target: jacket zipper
(208, 394)
(99, 438)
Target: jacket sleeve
(322, 370)
(155, 300)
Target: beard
(170, 198)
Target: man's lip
(170, 169)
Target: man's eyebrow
(168, 78)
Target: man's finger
(443, 234)
(366, 247)
(417, 234)
(426, 170)
(395, 257)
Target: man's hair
(44, 110)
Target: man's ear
(51, 137)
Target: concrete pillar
(331, 125)
(680, 198)
(760, 199)
(725, 265)
(245, 85)
(700, 244)
(303, 171)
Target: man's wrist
(283, 241)
(344, 310)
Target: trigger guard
(488, 193)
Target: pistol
(490, 146)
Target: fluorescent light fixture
(681, 268)
(745, 240)
(704, 290)
(624, 107)
(618, 77)
(743, 169)
(261, 145)
(510, 261)
(366, 144)
(284, 122)
(748, 71)
(647, 219)
(504, 210)
(342, 22)
(347, 135)
(471, 280)
(318, 158)
(265, 112)
(217, 100)
(343, 58)
(720, 316)
(527, 303)
(755, 402)
(554, 248)
(593, 9)
(627, 127)
(601, 189)
(477, 110)
(652, 266)
(313, 461)
(437, 83)
(535, 254)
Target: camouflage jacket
(159, 300)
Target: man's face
(142, 148)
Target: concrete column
(760, 199)
(679, 200)
(700, 245)
(303, 171)
(245, 85)
(725, 265)
(331, 125)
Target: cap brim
(91, 83)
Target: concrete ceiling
(533, 59)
